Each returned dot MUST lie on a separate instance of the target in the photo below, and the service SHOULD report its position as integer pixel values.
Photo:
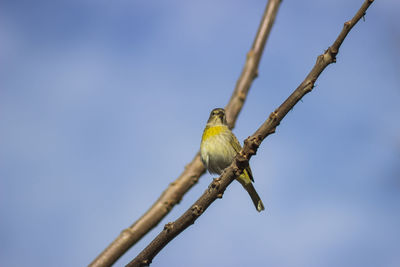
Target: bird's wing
(236, 145)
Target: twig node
(168, 227)
(197, 210)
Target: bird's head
(217, 117)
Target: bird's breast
(216, 151)
(213, 131)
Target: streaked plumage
(218, 148)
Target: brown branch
(250, 69)
(175, 191)
(251, 144)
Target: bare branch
(175, 191)
(251, 144)
(250, 69)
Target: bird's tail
(253, 194)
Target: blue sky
(103, 103)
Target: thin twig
(189, 177)
(251, 144)
(250, 69)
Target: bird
(218, 148)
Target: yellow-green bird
(219, 147)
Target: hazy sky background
(102, 103)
